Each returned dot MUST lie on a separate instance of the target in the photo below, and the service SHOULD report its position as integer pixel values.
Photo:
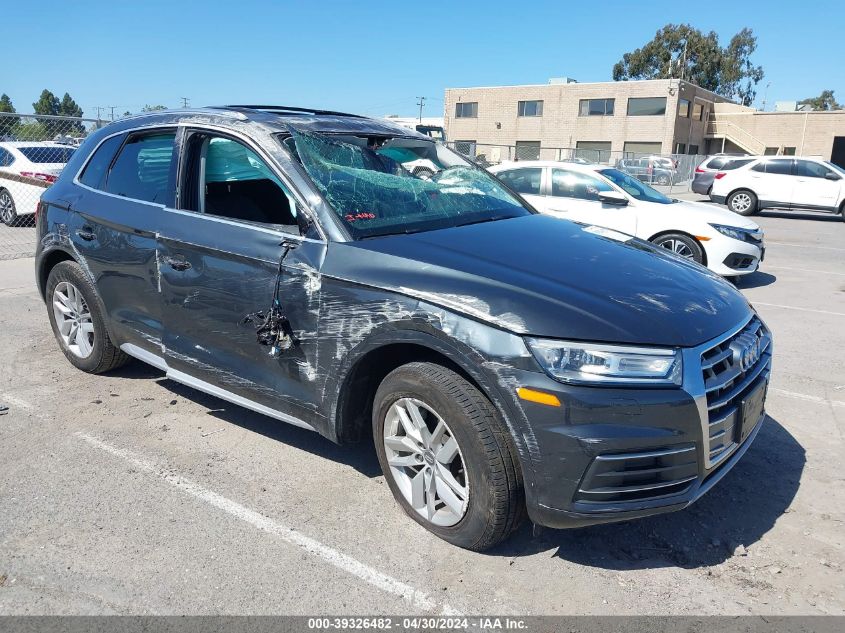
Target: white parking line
(416, 598)
(778, 305)
(805, 270)
(824, 248)
(806, 397)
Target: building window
(680, 148)
(770, 151)
(530, 108)
(528, 150)
(593, 151)
(697, 111)
(642, 147)
(693, 149)
(596, 107)
(789, 151)
(468, 110)
(683, 108)
(646, 106)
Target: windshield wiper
(403, 232)
(494, 218)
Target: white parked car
(607, 197)
(782, 183)
(35, 160)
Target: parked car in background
(595, 194)
(42, 161)
(705, 173)
(781, 183)
(651, 169)
(502, 361)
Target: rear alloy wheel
(8, 214)
(742, 202)
(447, 456)
(76, 316)
(662, 179)
(682, 245)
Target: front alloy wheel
(426, 462)
(8, 214)
(447, 455)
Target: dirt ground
(128, 493)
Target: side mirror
(831, 176)
(613, 197)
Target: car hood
(543, 276)
(711, 214)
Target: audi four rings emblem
(749, 355)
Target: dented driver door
(218, 278)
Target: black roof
(277, 118)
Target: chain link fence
(33, 151)
(668, 173)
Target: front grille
(621, 477)
(727, 381)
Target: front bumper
(612, 455)
(732, 258)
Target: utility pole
(185, 101)
(766, 96)
(98, 109)
(421, 103)
(112, 111)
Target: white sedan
(27, 161)
(603, 196)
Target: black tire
(104, 355)
(842, 211)
(8, 211)
(682, 245)
(496, 503)
(738, 200)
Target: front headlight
(598, 363)
(731, 231)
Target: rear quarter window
(94, 173)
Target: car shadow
(756, 279)
(361, 455)
(739, 510)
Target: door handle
(177, 263)
(86, 234)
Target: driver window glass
(780, 167)
(525, 181)
(228, 179)
(570, 184)
(809, 169)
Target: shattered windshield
(384, 186)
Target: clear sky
(375, 57)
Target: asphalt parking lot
(129, 493)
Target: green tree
(47, 103)
(68, 107)
(825, 101)
(681, 51)
(153, 108)
(7, 123)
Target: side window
(228, 179)
(759, 167)
(809, 169)
(526, 180)
(142, 169)
(779, 167)
(570, 184)
(95, 171)
(6, 158)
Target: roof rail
(278, 108)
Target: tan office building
(606, 120)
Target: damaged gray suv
(352, 277)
